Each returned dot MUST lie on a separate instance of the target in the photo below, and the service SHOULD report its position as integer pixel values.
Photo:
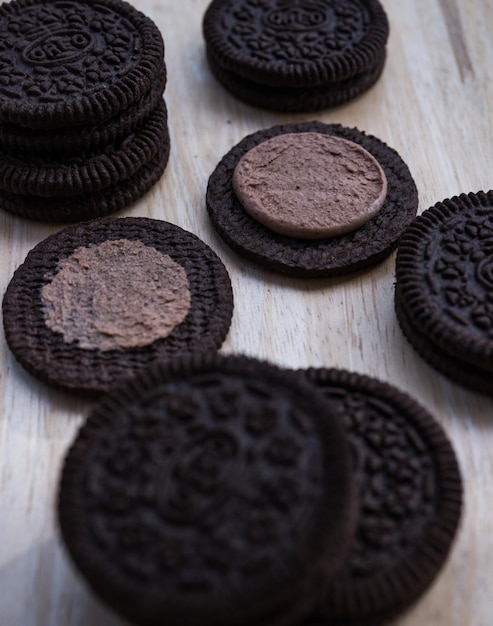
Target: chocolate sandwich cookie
(86, 206)
(289, 186)
(208, 491)
(287, 99)
(69, 63)
(89, 172)
(96, 302)
(308, 55)
(410, 494)
(444, 288)
(76, 141)
(455, 368)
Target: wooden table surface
(434, 105)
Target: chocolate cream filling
(119, 294)
(310, 185)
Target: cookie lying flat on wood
(349, 252)
(92, 304)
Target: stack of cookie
(83, 123)
(292, 56)
(444, 288)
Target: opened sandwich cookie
(99, 301)
(311, 199)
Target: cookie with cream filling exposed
(358, 248)
(110, 296)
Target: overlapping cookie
(300, 56)
(311, 199)
(409, 492)
(81, 86)
(101, 300)
(227, 491)
(209, 491)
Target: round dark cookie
(297, 99)
(410, 493)
(90, 205)
(208, 491)
(359, 249)
(86, 173)
(312, 42)
(75, 141)
(444, 280)
(48, 356)
(455, 368)
(66, 63)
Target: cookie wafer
(287, 99)
(455, 368)
(410, 493)
(296, 57)
(81, 207)
(76, 62)
(361, 248)
(444, 288)
(98, 301)
(208, 491)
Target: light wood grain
(434, 105)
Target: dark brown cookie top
(89, 172)
(325, 257)
(64, 358)
(306, 43)
(208, 491)
(410, 492)
(444, 272)
(68, 63)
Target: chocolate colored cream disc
(310, 185)
(117, 294)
